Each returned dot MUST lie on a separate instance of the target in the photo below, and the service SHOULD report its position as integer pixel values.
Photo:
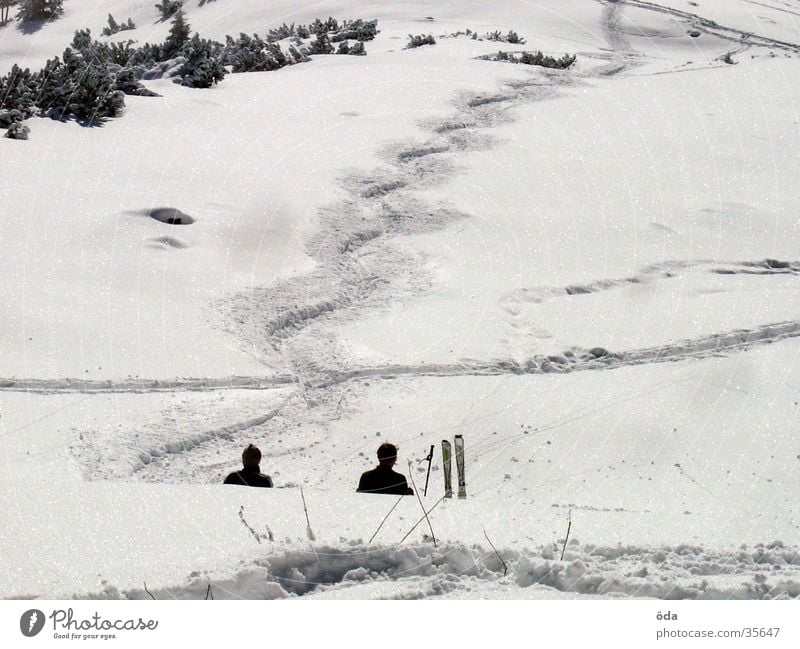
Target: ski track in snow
(355, 261)
(423, 571)
(141, 386)
(773, 7)
(322, 375)
(712, 27)
(122, 454)
(592, 359)
(614, 33)
(359, 271)
(653, 273)
(165, 452)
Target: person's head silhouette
(251, 457)
(387, 454)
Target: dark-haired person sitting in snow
(382, 480)
(250, 475)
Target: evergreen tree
(5, 8)
(39, 9)
(168, 8)
(179, 33)
(113, 26)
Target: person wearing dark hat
(382, 479)
(250, 475)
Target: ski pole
(428, 475)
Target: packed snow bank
(204, 540)
(356, 571)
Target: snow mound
(765, 571)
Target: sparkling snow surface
(591, 274)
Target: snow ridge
(766, 571)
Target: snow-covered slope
(591, 274)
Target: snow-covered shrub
(357, 49)
(17, 131)
(114, 27)
(118, 53)
(468, 32)
(512, 37)
(538, 58)
(91, 81)
(204, 63)
(169, 69)
(146, 56)
(302, 31)
(534, 58)
(355, 30)
(419, 41)
(324, 26)
(296, 56)
(9, 117)
(285, 31)
(18, 91)
(82, 39)
(39, 9)
(127, 80)
(169, 8)
(253, 54)
(322, 45)
(80, 88)
(110, 53)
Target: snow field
(589, 274)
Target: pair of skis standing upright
(447, 455)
